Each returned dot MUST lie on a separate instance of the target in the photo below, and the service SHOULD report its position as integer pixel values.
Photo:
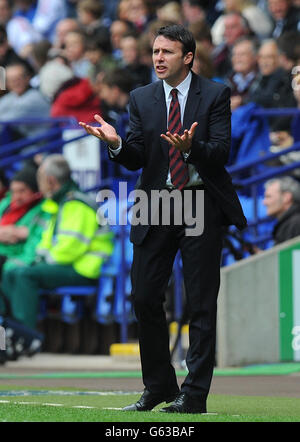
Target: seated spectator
(7, 54)
(22, 101)
(285, 16)
(21, 220)
(114, 92)
(203, 64)
(131, 61)
(72, 249)
(90, 14)
(69, 95)
(75, 47)
(289, 54)
(100, 58)
(282, 201)
(192, 11)
(136, 12)
(258, 20)
(235, 27)
(273, 86)
(118, 29)
(170, 11)
(244, 64)
(63, 27)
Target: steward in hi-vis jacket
(72, 249)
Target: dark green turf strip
(253, 370)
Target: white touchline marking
(111, 408)
(82, 406)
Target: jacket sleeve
(215, 151)
(132, 154)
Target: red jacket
(77, 99)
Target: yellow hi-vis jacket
(74, 237)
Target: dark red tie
(178, 168)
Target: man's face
(44, 183)
(233, 29)
(169, 62)
(268, 58)
(17, 79)
(243, 58)
(278, 8)
(275, 200)
(20, 193)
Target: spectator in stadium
(47, 16)
(272, 87)
(192, 11)
(282, 201)
(258, 20)
(72, 249)
(69, 95)
(136, 12)
(114, 92)
(20, 32)
(22, 220)
(170, 11)
(244, 64)
(131, 60)
(7, 54)
(285, 16)
(90, 13)
(289, 54)
(22, 101)
(100, 57)
(118, 29)
(75, 47)
(63, 27)
(235, 27)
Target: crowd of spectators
(68, 47)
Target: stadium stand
(252, 162)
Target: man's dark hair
(181, 34)
(121, 78)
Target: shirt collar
(182, 88)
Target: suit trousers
(151, 270)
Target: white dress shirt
(183, 90)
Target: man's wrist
(115, 146)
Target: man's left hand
(181, 142)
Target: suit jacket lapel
(193, 102)
(160, 115)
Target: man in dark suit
(181, 141)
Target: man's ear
(287, 197)
(188, 58)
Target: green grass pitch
(19, 404)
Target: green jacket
(74, 236)
(24, 252)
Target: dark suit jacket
(208, 103)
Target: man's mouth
(160, 69)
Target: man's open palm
(105, 132)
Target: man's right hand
(105, 132)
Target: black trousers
(151, 270)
